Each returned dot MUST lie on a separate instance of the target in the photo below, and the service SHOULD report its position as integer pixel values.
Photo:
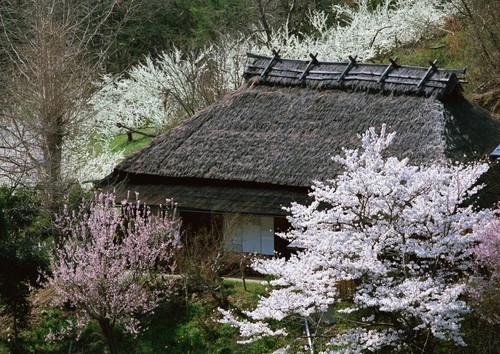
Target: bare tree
(201, 261)
(52, 51)
(479, 22)
(273, 14)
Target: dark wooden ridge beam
(454, 71)
(276, 55)
(352, 62)
(256, 56)
(429, 72)
(386, 72)
(312, 62)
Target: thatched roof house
(260, 148)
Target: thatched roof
(277, 131)
(218, 198)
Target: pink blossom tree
(110, 267)
(398, 232)
(486, 286)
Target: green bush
(22, 226)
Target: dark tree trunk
(109, 334)
(53, 160)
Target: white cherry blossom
(400, 232)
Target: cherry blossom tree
(485, 290)
(399, 232)
(111, 266)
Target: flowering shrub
(486, 288)
(399, 232)
(87, 160)
(177, 83)
(110, 263)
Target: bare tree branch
(55, 50)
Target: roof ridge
(391, 77)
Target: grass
(240, 298)
(120, 142)
(175, 327)
(179, 326)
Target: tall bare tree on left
(51, 51)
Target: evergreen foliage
(21, 256)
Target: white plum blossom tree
(400, 233)
(88, 159)
(110, 265)
(136, 101)
(156, 92)
(181, 82)
(364, 31)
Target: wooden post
(130, 131)
(243, 259)
(276, 55)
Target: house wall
(244, 233)
(250, 233)
(194, 223)
(281, 225)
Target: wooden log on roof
(391, 66)
(271, 61)
(429, 72)
(326, 75)
(453, 71)
(352, 62)
(259, 68)
(257, 56)
(312, 62)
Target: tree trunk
(53, 162)
(109, 335)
